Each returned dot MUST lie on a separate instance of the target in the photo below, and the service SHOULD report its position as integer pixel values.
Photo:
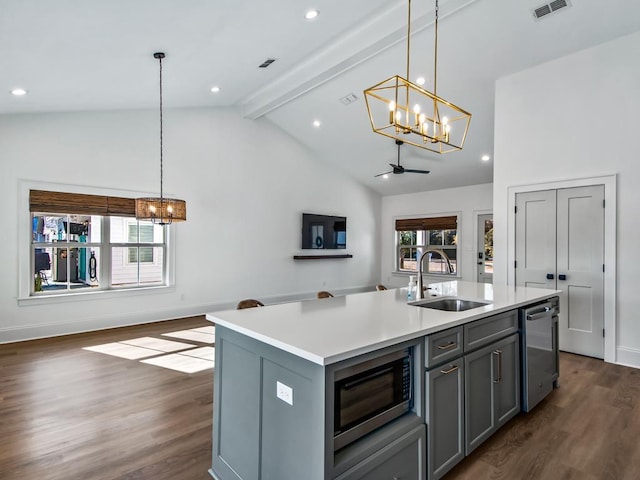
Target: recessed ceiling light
(18, 92)
(385, 176)
(316, 123)
(485, 158)
(215, 89)
(311, 14)
(420, 80)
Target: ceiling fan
(398, 169)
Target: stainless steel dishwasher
(539, 342)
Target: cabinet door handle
(447, 346)
(498, 354)
(452, 369)
(562, 277)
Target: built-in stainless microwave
(370, 394)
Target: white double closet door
(560, 245)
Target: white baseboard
(85, 324)
(629, 357)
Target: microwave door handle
(355, 383)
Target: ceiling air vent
(547, 8)
(347, 99)
(266, 63)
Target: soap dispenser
(411, 289)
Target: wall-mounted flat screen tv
(323, 232)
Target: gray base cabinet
(472, 387)
(402, 459)
(445, 416)
(492, 389)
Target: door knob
(562, 277)
(549, 276)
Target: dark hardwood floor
(587, 429)
(67, 414)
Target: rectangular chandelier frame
(405, 111)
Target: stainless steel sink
(450, 304)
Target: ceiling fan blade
(409, 170)
(381, 174)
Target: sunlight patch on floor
(182, 357)
(180, 362)
(122, 350)
(192, 335)
(158, 344)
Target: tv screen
(323, 232)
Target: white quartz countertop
(333, 329)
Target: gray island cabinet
(276, 370)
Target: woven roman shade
(433, 223)
(80, 204)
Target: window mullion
(105, 274)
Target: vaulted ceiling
(75, 55)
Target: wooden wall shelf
(320, 257)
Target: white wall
(467, 202)
(573, 118)
(246, 184)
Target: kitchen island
(274, 381)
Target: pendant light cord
(160, 57)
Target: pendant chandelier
(407, 112)
(161, 210)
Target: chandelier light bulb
(392, 109)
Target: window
(437, 236)
(146, 236)
(96, 245)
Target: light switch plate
(284, 393)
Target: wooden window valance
(433, 223)
(81, 204)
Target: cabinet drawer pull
(447, 346)
(452, 369)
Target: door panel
(536, 239)
(580, 259)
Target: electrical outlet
(284, 393)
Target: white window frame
(422, 246)
(25, 249)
